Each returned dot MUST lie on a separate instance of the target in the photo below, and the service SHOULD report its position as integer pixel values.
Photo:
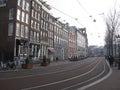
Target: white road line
(62, 80)
(39, 74)
(98, 81)
(67, 88)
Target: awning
(51, 49)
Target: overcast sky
(82, 10)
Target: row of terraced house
(28, 29)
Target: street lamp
(93, 19)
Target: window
(38, 25)
(18, 14)
(26, 32)
(3, 2)
(34, 36)
(37, 37)
(10, 29)
(27, 6)
(38, 16)
(35, 14)
(17, 29)
(35, 25)
(46, 26)
(19, 2)
(11, 13)
(31, 35)
(38, 7)
(32, 13)
(32, 24)
(33, 3)
(55, 38)
(41, 33)
(23, 4)
(22, 30)
(27, 19)
(42, 14)
(42, 24)
(46, 35)
(23, 16)
(51, 34)
(47, 16)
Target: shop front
(21, 50)
(51, 52)
(34, 51)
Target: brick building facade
(27, 29)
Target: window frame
(11, 13)
(10, 29)
(17, 29)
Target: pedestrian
(119, 63)
(111, 60)
(1, 65)
(106, 57)
(8, 65)
(56, 58)
(13, 66)
(4, 66)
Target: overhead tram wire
(83, 7)
(67, 15)
(85, 10)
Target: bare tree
(112, 26)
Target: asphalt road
(68, 76)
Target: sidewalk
(38, 66)
(111, 83)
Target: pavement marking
(34, 75)
(67, 88)
(62, 80)
(98, 81)
(38, 74)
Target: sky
(82, 13)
